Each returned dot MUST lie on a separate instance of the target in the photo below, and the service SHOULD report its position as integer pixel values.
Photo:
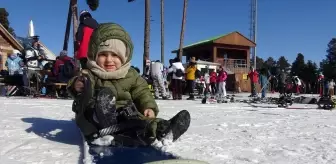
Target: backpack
(197, 73)
(68, 69)
(179, 73)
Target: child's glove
(91, 137)
(79, 84)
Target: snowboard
(129, 155)
(117, 153)
(135, 155)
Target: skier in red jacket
(213, 82)
(254, 77)
(85, 29)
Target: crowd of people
(279, 80)
(177, 80)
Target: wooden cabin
(7, 44)
(232, 51)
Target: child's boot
(177, 125)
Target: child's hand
(149, 113)
(79, 85)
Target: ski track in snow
(41, 131)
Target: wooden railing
(235, 65)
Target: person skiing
(263, 81)
(156, 69)
(86, 26)
(111, 98)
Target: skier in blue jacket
(263, 81)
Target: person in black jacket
(85, 29)
(282, 81)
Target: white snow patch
(42, 131)
(103, 141)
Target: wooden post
(162, 32)
(74, 20)
(67, 29)
(147, 34)
(214, 53)
(184, 15)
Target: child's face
(109, 61)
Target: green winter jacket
(130, 88)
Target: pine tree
(269, 63)
(283, 64)
(259, 63)
(311, 77)
(93, 4)
(298, 66)
(328, 65)
(4, 20)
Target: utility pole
(253, 30)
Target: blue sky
(285, 27)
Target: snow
(42, 131)
(103, 141)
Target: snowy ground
(41, 131)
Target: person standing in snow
(331, 87)
(274, 72)
(213, 82)
(207, 81)
(320, 81)
(263, 81)
(191, 77)
(282, 81)
(177, 71)
(33, 57)
(297, 83)
(156, 69)
(253, 76)
(221, 80)
(86, 26)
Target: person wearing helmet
(86, 26)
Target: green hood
(106, 31)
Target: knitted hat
(107, 31)
(113, 45)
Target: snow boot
(105, 108)
(177, 125)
